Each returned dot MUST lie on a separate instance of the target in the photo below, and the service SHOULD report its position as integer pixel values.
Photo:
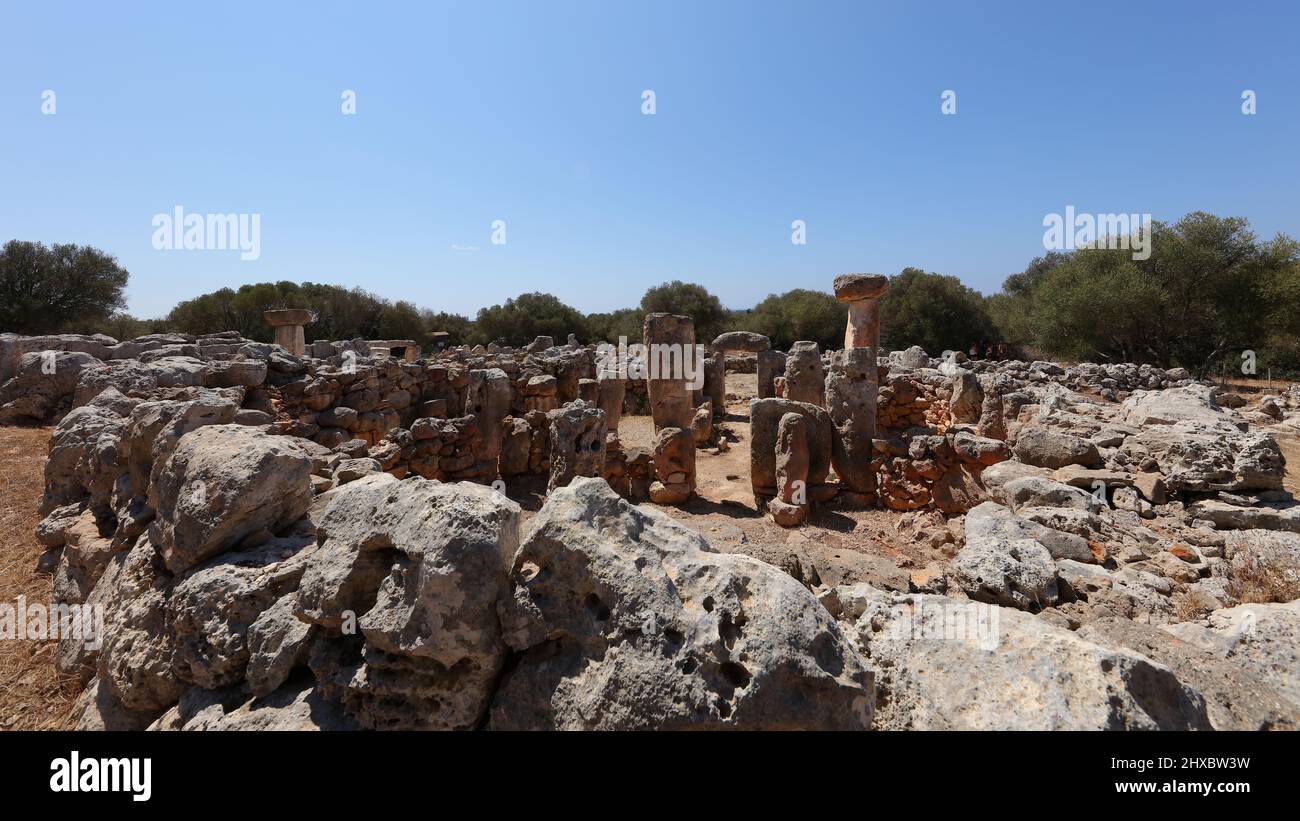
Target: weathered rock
(42, 387)
(222, 484)
(627, 620)
(851, 391)
(577, 438)
(1003, 562)
(765, 416)
(1263, 639)
(769, 365)
(792, 459)
(967, 401)
(419, 566)
(212, 608)
(1236, 697)
(947, 664)
(1046, 448)
(746, 341)
(674, 462)
(1191, 403)
(805, 378)
(958, 490)
(1200, 458)
(612, 391)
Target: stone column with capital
(853, 385)
(862, 292)
(288, 324)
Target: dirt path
(30, 696)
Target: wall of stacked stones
(420, 417)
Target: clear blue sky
(530, 112)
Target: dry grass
(31, 697)
(1263, 577)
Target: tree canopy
(797, 315)
(688, 299)
(934, 311)
(1209, 288)
(48, 289)
(521, 320)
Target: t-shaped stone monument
(288, 324)
(862, 292)
(853, 384)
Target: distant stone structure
(289, 324)
(404, 349)
(671, 406)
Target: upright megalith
(715, 381)
(670, 362)
(673, 366)
(769, 365)
(611, 390)
(674, 457)
(851, 390)
(289, 324)
(790, 507)
(805, 377)
(765, 415)
(577, 438)
(487, 399)
(862, 292)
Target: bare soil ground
(31, 697)
(724, 510)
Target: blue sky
(530, 112)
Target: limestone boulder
(1047, 448)
(1237, 697)
(628, 620)
(405, 587)
(1004, 560)
(1198, 457)
(42, 386)
(222, 484)
(949, 664)
(745, 341)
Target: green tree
(795, 316)
(687, 299)
(934, 311)
(608, 327)
(458, 328)
(526, 317)
(1012, 310)
(57, 288)
(1209, 289)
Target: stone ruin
(317, 539)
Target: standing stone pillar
(715, 381)
(577, 439)
(790, 507)
(611, 392)
(805, 378)
(770, 365)
(671, 364)
(862, 292)
(288, 324)
(487, 399)
(851, 390)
